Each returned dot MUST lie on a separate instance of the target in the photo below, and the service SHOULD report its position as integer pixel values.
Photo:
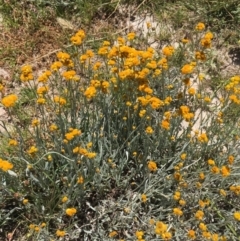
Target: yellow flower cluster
(78, 38)
(9, 100)
(71, 211)
(72, 133)
(161, 230)
(26, 73)
(64, 59)
(206, 41)
(184, 111)
(5, 165)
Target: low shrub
(123, 143)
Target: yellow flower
(149, 130)
(182, 202)
(60, 233)
(202, 226)
(211, 162)
(215, 237)
(91, 155)
(131, 36)
(156, 103)
(191, 234)
(151, 221)
(53, 127)
(168, 50)
(235, 189)
(13, 143)
(32, 150)
(32, 226)
(70, 75)
(41, 101)
(44, 76)
(139, 235)
(71, 211)
(56, 66)
(62, 56)
(80, 180)
(26, 77)
(183, 156)
(207, 99)
(90, 92)
(81, 34)
(206, 235)
(64, 199)
(200, 55)
(27, 69)
(187, 69)
(144, 198)
(177, 176)
(176, 195)
(165, 124)
(25, 201)
(200, 26)
(201, 176)
(49, 158)
(76, 40)
(9, 100)
(5, 165)
(97, 65)
(83, 151)
(42, 90)
(203, 137)
(222, 192)
(26, 73)
(191, 91)
(163, 63)
(209, 35)
(203, 203)
(225, 171)
(166, 236)
(60, 100)
(236, 215)
(43, 225)
(199, 215)
(36, 229)
(121, 41)
(206, 42)
(215, 170)
(106, 43)
(103, 50)
(152, 166)
(112, 234)
(230, 159)
(35, 122)
(160, 228)
(89, 145)
(177, 212)
(185, 40)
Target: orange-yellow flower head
(5, 165)
(9, 100)
(152, 166)
(71, 211)
(200, 26)
(187, 69)
(168, 51)
(60, 233)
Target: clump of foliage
(123, 143)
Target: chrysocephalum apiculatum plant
(125, 144)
